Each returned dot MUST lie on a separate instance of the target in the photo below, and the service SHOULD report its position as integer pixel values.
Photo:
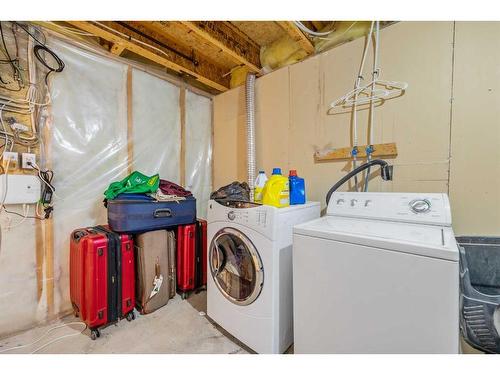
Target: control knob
(420, 206)
(231, 215)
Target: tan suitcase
(154, 281)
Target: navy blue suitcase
(136, 213)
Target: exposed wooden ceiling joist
(223, 35)
(149, 44)
(117, 49)
(297, 35)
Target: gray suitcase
(154, 269)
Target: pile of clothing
(153, 186)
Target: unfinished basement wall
(107, 117)
(441, 143)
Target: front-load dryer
(249, 283)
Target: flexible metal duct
(250, 101)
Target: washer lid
(426, 240)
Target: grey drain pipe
(250, 107)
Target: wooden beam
(48, 224)
(383, 150)
(297, 35)
(150, 45)
(222, 35)
(117, 49)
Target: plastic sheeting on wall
(88, 146)
(156, 133)
(198, 138)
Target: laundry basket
(480, 292)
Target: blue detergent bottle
(297, 188)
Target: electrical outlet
(28, 158)
(10, 158)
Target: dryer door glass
(236, 266)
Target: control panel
(425, 208)
(252, 216)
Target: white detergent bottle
(260, 181)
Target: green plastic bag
(136, 182)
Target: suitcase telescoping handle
(162, 212)
(77, 235)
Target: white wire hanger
(376, 91)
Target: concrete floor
(179, 327)
(176, 328)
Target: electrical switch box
(21, 188)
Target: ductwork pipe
(250, 103)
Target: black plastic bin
(480, 292)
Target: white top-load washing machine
(378, 274)
(249, 283)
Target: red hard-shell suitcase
(186, 249)
(191, 257)
(102, 276)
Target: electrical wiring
(71, 30)
(31, 34)
(33, 100)
(42, 46)
(36, 97)
(16, 72)
(305, 29)
(47, 199)
(14, 135)
(45, 176)
(24, 216)
(132, 39)
(27, 103)
(37, 217)
(60, 63)
(50, 342)
(341, 35)
(12, 28)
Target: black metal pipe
(385, 173)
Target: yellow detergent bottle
(276, 190)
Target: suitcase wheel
(130, 316)
(94, 334)
(184, 295)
